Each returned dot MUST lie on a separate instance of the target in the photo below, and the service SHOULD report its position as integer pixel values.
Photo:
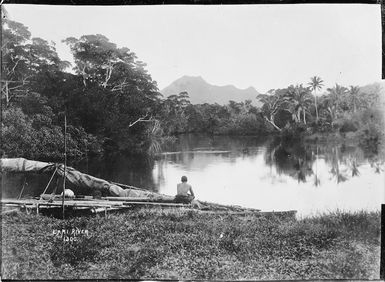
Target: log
(154, 204)
(73, 205)
(55, 197)
(18, 202)
(137, 199)
(9, 211)
(58, 203)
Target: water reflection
(293, 159)
(301, 160)
(275, 175)
(256, 172)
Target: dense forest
(112, 104)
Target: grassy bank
(184, 244)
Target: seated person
(185, 194)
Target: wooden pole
(1, 97)
(49, 182)
(65, 160)
(22, 189)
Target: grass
(182, 244)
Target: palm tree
(299, 99)
(335, 95)
(353, 93)
(315, 84)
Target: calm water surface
(274, 176)
(248, 171)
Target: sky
(264, 46)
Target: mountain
(202, 92)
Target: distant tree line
(113, 105)
(356, 111)
(240, 118)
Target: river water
(253, 172)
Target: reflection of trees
(297, 159)
(291, 158)
(376, 164)
(316, 179)
(350, 158)
(335, 171)
(160, 179)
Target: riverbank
(174, 243)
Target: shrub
(371, 137)
(38, 137)
(348, 126)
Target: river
(255, 172)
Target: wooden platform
(114, 204)
(94, 205)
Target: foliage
(341, 110)
(23, 58)
(348, 126)
(372, 130)
(37, 137)
(273, 103)
(103, 101)
(180, 116)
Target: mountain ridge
(200, 91)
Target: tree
(214, 115)
(100, 61)
(117, 89)
(354, 97)
(272, 103)
(174, 114)
(23, 59)
(235, 108)
(315, 84)
(336, 94)
(299, 100)
(14, 69)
